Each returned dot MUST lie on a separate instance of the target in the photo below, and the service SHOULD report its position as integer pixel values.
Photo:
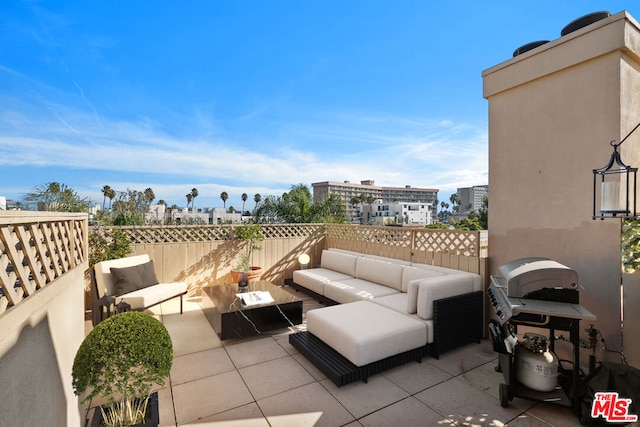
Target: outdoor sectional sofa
(384, 312)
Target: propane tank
(536, 370)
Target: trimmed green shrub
(121, 359)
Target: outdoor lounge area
(264, 381)
(258, 380)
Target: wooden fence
(35, 249)
(204, 255)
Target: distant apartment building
(471, 198)
(347, 191)
(156, 214)
(396, 213)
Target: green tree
(467, 224)
(111, 195)
(298, 206)
(244, 199)
(224, 196)
(455, 202)
(105, 191)
(131, 205)
(257, 198)
(483, 215)
(437, 226)
(56, 197)
(149, 196)
(194, 194)
(189, 197)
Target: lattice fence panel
(33, 253)
(207, 233)
(448, 241)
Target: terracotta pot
(252, 275)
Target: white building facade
(396, 213)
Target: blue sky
(255, 96)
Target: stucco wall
(36, 373)
(552, 113)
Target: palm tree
(194, 194)
(189, 196)
(257, 199)
(244, 199)
(455, 202)
(111, 195)
(105, 192)
(224, 196)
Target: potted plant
(251, 234)
(120, 360)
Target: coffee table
(230, 318)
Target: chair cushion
(154, 294)
(365, 332)
(129, 279)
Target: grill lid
(526, 275)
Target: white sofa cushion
(412, 296)
(381, 272)
(437, 288)
(350, 290)
(398, 302)
(315, 279)
(413, 273)
(365, 332)
(340, 262)
(151, 295)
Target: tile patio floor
(263, 381)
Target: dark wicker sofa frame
(457, 321)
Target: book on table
(255, 298)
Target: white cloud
(394, 151)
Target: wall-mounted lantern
(615, 186)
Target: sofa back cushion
(437, 288)
(340, 262)
(412, 273)
(412, 296)
(380, 272)
(378, 257)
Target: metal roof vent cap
(529, 46)
(583, 21)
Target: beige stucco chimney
(552, 112)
